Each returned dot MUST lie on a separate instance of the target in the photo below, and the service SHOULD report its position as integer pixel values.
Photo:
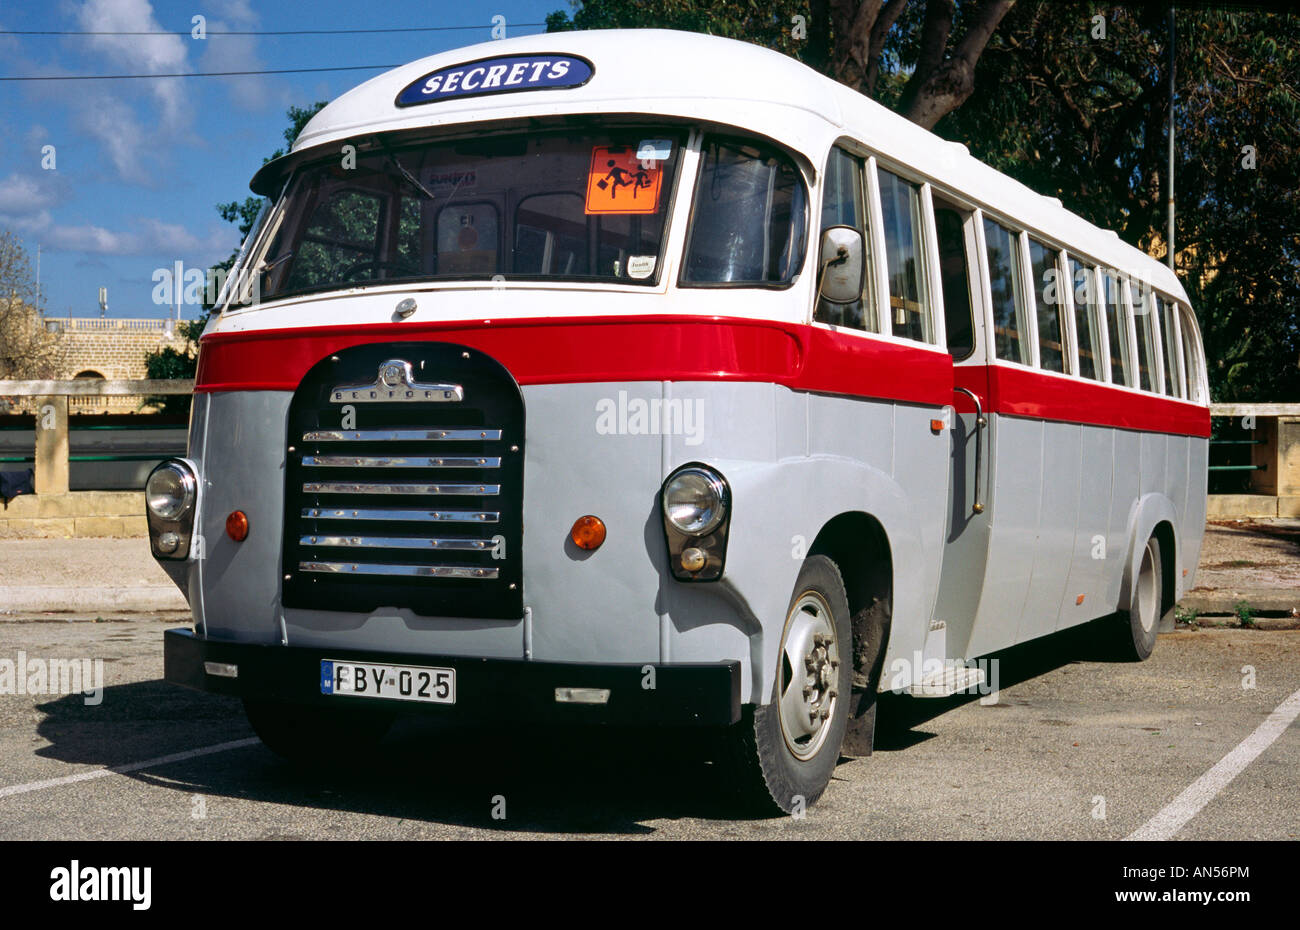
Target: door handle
(980, 424)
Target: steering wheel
(351, 271)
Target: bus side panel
(1198, 452)
(1016, 469)
(1127, 473)
(1176, 488)
(1087, 569)
(1054, 545)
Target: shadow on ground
(553, 780)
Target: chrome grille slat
(405, 571)
(400, 461)
(403, 435)
(397, 542)
(378, 513)
(348, 487)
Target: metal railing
(51, 459)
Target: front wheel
(784, 752)
(302, 733)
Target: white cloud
(162, 54)
(23, 194)
(148, 237)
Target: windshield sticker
(640, 266)
(502, 75)
(654, 150)
(620, 182)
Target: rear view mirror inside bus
(842, 265)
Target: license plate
(394, 682)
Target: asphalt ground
(1190, 745)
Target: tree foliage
(27, 350)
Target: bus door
(966, 540)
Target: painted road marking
(1202, 791)
(128, 767)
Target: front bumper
(486, 689)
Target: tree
(921, 64)
(27, 350)
(172, 363)
(1073, 99)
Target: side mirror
(842, 265)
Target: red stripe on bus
(1023, 393)
(587, 349)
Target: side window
(749, 218)
(1191, 357)
(1010, 331)
(954, 273)
(844, 204)
(1148, 353)
(339, 241)
(1048, 304)
(1116, 330)
(1168, 314)
(909, 302)
(1087, 319)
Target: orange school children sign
(619, 182)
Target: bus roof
(685, 74)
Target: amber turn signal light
(237, 525)
(588, 532)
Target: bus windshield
(551, 205)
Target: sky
(117, 179)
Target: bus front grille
(404, 484)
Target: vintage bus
(643, 377)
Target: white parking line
(1202, 791)
(128, 767)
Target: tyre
(1136, 628)
(302, 733)
(783, 753)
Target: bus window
(749, 217)
(843, 204)
(1087, 324)
(1116, 330)
(1173, 383)
(1048, 304)
(954, 273)
(1144, 320)
(467, 239)
(900, 208)
(339, 239)
(551, 235)
(1010, 332)
(1191, 360)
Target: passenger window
(1086, 319)
(1010, 332)
(1191, 358)
(843, 204)
(1048, 304)
(1173, 383)
(954, 273)
(1144, 320)
(909, 302)
(1116, 330)
(467, 239)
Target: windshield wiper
(412, 179)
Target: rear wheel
(1136, 628)
(302, 733)
(783, 753)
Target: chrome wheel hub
(810, 659)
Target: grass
(1245, 614)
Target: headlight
(169, 492)
(695, 501)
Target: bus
(652, 378)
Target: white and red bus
(649, 377)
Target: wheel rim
(1148, 586)
(807, 677)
